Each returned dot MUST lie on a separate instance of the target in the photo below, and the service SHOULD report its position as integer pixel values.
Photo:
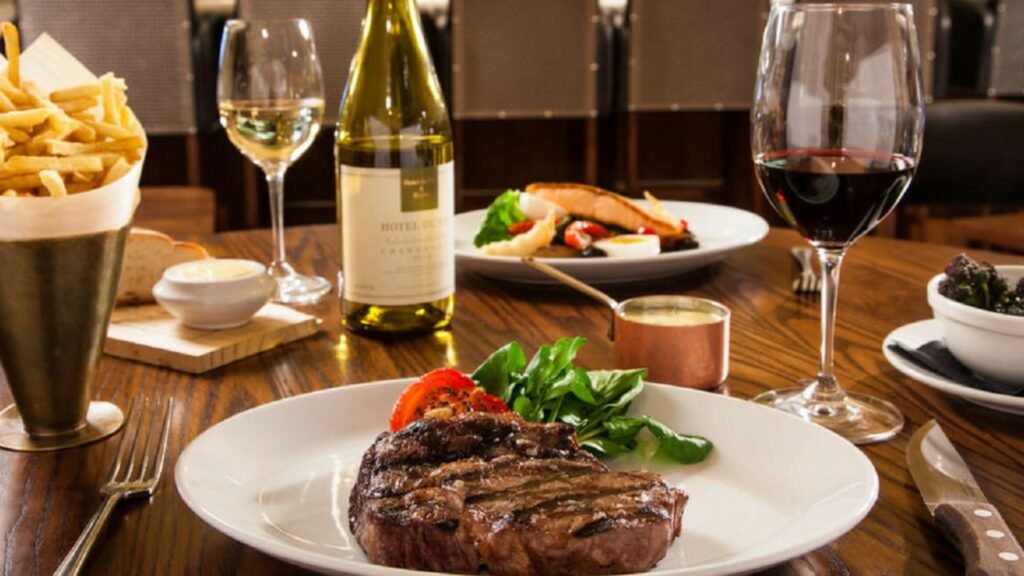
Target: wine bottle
(395, 181)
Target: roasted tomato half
(520, 227)
(442, 389)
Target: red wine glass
(836, 134)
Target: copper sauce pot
(680, 340)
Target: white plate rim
(332, 564)
(759, 229)
(1001, 402)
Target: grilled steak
(517, 498)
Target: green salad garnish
(501, 214)
(550, 389)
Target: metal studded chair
(337, 26)
(526, 59)
(688, 56)
(147, 43)
(1006, 67)
(970, 163)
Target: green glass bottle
(395, 181)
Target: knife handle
(986, 542)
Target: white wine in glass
(272, 131)
(271, 101)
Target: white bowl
(987, 342)
(194, 293)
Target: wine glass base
(299, 289)
(859, 418)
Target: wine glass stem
(275, 183)
(826, 389)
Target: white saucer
(918, 333)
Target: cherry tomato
(683, 224)
(644, 230)
(582, 233)
(442, 388)
(520, 227)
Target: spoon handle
(570, 281)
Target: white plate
(278, 478)
(919, 333)
(719, 230)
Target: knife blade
(959, 506)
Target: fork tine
(122, 444)
(147, 444)
(164, 434)
(136, 451)
(155, 433)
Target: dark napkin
(936, 358)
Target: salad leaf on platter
(501, 369)
(502, 213)
(551, 389)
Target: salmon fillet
(593, 203)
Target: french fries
(53, 183)
(69, 141)
(12, 44)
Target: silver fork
(135, 471)
(807, 282)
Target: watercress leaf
(522, 406)
(573, 412)
(563, 352)
(610, 385)
(563, 385)
(624, 427)
(679, 447)
(580, 386)
(498, 372)
(502, 213)
(537, 369)
(605, 446)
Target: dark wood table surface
(46, 499)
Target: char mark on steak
(517, 498)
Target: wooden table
(46, 499)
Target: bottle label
(398, 235)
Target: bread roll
(147, 254)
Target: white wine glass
(837, 123)
(271, 100)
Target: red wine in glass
(833, 197)
(836, 132)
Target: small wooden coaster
(149, 334)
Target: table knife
(959, 506)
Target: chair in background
(1006, 64)
(700, 58)
(971, 162)
(337, 25)
(149, 45)
(179, 212)
(523, 60)
(929, 16)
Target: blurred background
(631, 95)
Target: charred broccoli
(980, 285)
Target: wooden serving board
(149, 334)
